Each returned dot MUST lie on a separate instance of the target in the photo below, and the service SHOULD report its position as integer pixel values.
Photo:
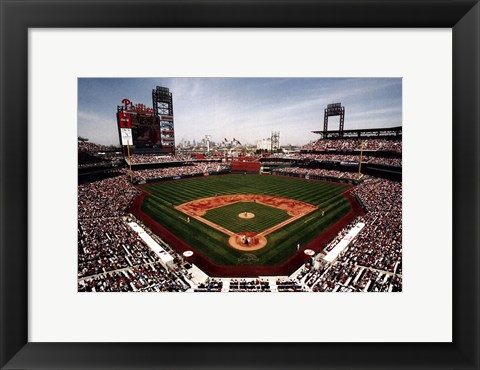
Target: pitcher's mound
(246, 215)
(247, 241)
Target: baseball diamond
(202, 214)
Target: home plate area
(247, 241)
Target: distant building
(264, 144)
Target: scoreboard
(139, 130)
(148, 130)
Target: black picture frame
(463, 16)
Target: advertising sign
(126, 134)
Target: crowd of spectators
(338, 238)
(111, 256)
(193, 169)
(106, 244)
(105, 198)
(376, 144)
(396, 162)
(155, 158)
(92, 163)
(150, 277)
(352, 278)
(318, 172)
(210, 285)
(348, 277)
(289, 285)
(95, 155)
(326, 157)
(379, 245)
(243, 285)
(87, 146)
(372, 262)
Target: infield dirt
(199, 207)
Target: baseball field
(234, 220)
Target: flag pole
(360, 162)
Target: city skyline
(245, 109)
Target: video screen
(145, 131)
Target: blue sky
(246, 109)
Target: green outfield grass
(213, 243)
(265, 217)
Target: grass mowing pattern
(213, 243)
(265, 217)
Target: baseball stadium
(222, 216)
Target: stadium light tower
(208, 137)
(275, 141)
(335, 109)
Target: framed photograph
(259, 211)
(189, 147)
